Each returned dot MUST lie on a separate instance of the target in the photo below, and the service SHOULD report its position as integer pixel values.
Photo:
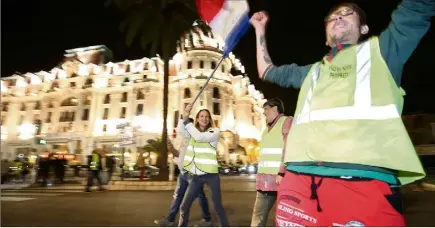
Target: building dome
(201, 37)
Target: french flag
(228, 19)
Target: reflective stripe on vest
(271, 148)
(348, 112)
(95, 162)
(362, 108)
(201, 155)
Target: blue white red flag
(228, 19)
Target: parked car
(134, 171)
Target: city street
(27, 207)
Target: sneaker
(164, 222)
(204, 223)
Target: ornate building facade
(80, 104)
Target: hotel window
(5, 106)
(176, 116)
(216, 108)
(140, 95)
(187, 93)
(189, 65)
(38, 105)
(106, 114)
(123, 112)
(124, 97)
(107, 99)
(48, 119)
(67, 116)
(88, 82)
(105, 128)
(70, 102)
(38, 124)
(3, 120)
(216, 93)
(201, 64)
(213, 65)
(88, 100)
(85, 114)
(23, 107)
(139, 109)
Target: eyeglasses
(344, 12)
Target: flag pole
(208, 79)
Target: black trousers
(93, 174)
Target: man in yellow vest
(270, 167)
(95, 167)
(348, 149)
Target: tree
(154, 145)
(158, 25)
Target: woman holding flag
(200, 162)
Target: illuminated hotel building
(77, 105)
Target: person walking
(200, 163)
(270, 167)
(181, 188)
(95, 167)
(348, 149)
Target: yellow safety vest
(95, 163)
(349, 111)
(202, 155)
(271, 147)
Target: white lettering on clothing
(283, 223)
(296, 213)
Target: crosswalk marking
(15, 198)
(17, 195)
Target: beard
(340, 38)
(342, 33)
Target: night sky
(35, 34)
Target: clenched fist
(259, 20)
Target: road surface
(57, 208)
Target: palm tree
(158, 25)
(154, 145)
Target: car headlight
(251, 168)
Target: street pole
(122, 163)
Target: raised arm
(286, 75)
(181, 129)
(211, 135)
(409, 23)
